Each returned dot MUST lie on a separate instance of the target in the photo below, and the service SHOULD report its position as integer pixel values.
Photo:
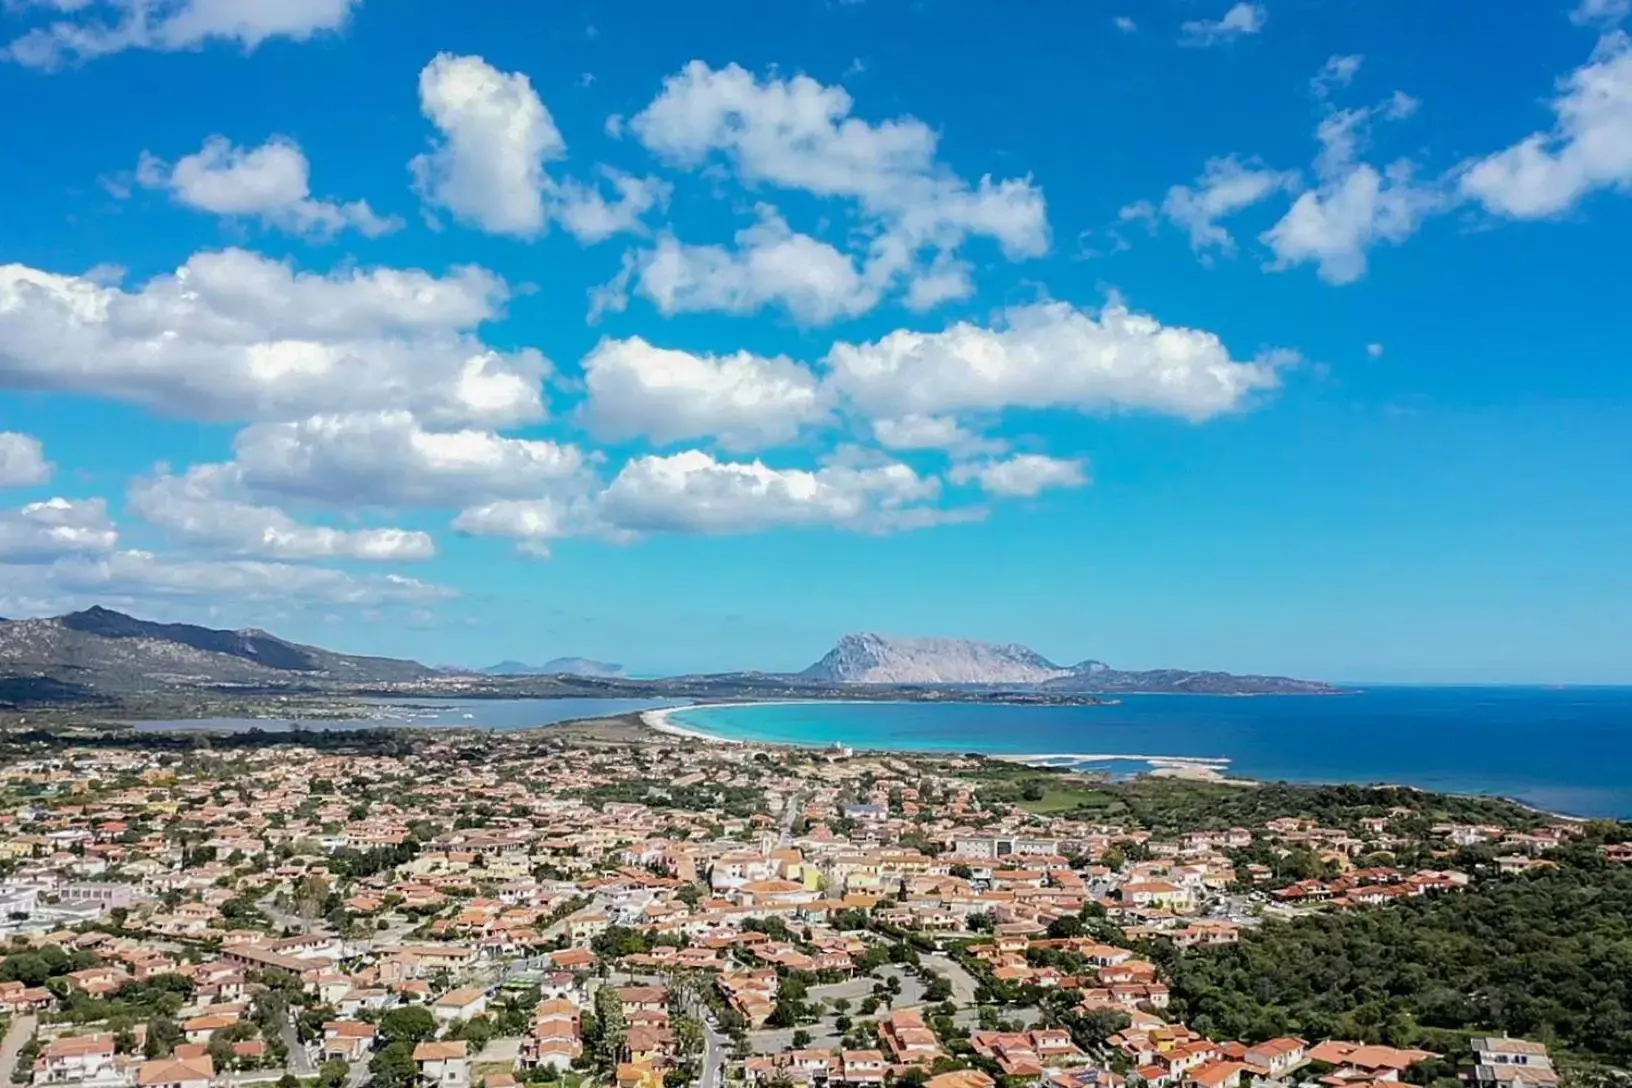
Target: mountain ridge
(869, 658)
(99, 653)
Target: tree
(333, 1073)
(163, 1034)
(688, 1036)
(1065, 927)
(393, 1066)
(613, 1028)
(801, 1039)
(410, 1024)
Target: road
(20, 1032)
(300, 1060)
(716, 1051)
(963, 983)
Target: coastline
(1211, 770)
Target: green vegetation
(1169, 806)
(1547, 956)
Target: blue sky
(1284, 336)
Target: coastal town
(643, 910)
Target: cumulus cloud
(22, 460)
(798, 134)
(1022, 476)
(1050, 355)
(1241, 20)
(88, 29)
(389, 459)
(1600, 13)
(270, 183)
(743, 401)
(920, 432)
(45, 531)
(531, 523)
(233, 335)
(488, 166)
(144, 576)
(1356, 206)
(590, 217)
(1226, 186)
(693, 492)
(205, 507)
(1588, 148)
(770, 264)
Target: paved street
(21, 1030)
(300, 1062)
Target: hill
(110, 652)
(881, 659)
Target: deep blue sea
(1564, 750)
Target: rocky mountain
(879, 659)
(99, 649)
(559, 666)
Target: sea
(1564, 750)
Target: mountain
(110, 652)
(879, 659)
(559, 666)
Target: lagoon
(421, 712)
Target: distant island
(102, 657)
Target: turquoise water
(1564, 750)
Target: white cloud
(1022, 476)
(270, 183)
(1125, 24)
(919, 432)
(1374, 350)
(388, 459)
(1588, 148)
(488, 168)
(45, 531)
(771, 264)
(743, 401)
(590, 217)
(1600, 13)
(87, 31)
(799, 134)
(1336, 225)
(139, 575)
(1356, 206)
(1338, 71)
(233, 335)
(205, 507)
(693, 492)
(22, 460)
(1241, 20)
(532, 523)
(1226, 186)
(497, 135)
(1050, 355)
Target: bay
(1566, 750)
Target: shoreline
(1202, 769)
